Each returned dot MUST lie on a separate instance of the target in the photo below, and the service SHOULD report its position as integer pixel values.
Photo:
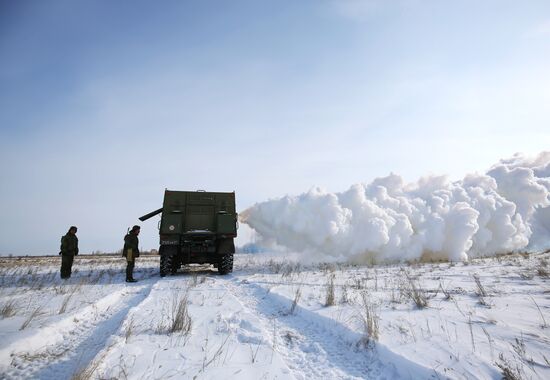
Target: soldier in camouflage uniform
(131, 251)
(69, 249)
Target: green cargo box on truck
(196, 227)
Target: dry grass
(472, 334)
(526, 275)
(275, 266)
(8, 309)
(297, 296)
(129, 330)
(36, 312)
(508, 370)
(344, 297)
(254, 351)
(65, 303)
(180, 319)
(445, 292)
(480, 291)
(291, 269)
(416, 293)
(543, 272)
(489, 340)
(215, 356)
(370, 317)
(88, 371)
(544, 324)
(330, 298)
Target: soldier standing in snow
(131, 251)
(69, 249)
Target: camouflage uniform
(131, 251)
(69, 249)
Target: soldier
(69, 249)
(131, 251)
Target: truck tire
(175, 264)
(225, 265)
(165, 265)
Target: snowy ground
(275, 318)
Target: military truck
(196, 227)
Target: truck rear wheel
(165, 265)
(176, 263)
(225, 265)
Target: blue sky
(103, 104)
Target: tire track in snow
(88, 334)
(226, 338)
(315, 346)
(309, 348)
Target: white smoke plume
(505, 210)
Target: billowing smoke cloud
(505, 210)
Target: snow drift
(503, 211)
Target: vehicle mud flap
(226, 246)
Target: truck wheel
(225, 265)
(175, 265)
(165, 265)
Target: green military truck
(196, 227)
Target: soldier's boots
(130, 280)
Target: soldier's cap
(73, 228)
(136, 227)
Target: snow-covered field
(275, 318)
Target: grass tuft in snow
(544, 324)
(8, 309)
(87, 372)
(344, 298)
(481, 292)
(36, 312)
(415, 292)
(542, 271)
(489, 340)
(370, 317)
(297, 296)
(254, 351)
(508, 370)
(445, 292)
(180, 319)
(216, 355)
(65, 303)
(129, 330)
(330, 298)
